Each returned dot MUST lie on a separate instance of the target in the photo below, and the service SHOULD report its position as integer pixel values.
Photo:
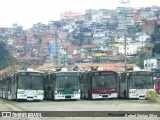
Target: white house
(121, 40)
(132, 48)
(151, 63)
(142, 37)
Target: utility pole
(124, 2)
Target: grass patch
(152, 97)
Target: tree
(6, 59)
(57, 24)
(81, 38)
(134, 29)
(156, 47)
(155, 36)
(139, 60)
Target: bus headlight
(55, 91)
(79, 91)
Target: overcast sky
(29, 12)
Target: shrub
(152, 96)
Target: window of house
(151, 64)
(145, 65)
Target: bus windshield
(103, 82)
(70, 82)
(141, 82)
(30, 82)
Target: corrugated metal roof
(107, 66)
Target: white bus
(135, 84)
(26, 85)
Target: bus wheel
(17, 100)
(89, 95)
(82, 95)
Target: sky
(29, 12)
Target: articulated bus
(99, 84)
(5, 86)
(26, 85)
(1, 87)
(135, 84)
(62, 85)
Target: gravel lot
(84, 105)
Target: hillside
(6, 59)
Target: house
(104, 66)
(133, 48)
(150, 64)
(45, 67)
(70, 17)
(148, 26)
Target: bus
(61, 85)
(24, 85)
(135, 84)
(157, 85)
(156, 74)
(1, 86)
(7, 86)
(99, 84)
(29, 85)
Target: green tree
(57, 24)
(156, 47)
(6, 59)
(155, 36)
(134, 29)
(139, 60)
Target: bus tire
(81, 95)
(89, 95)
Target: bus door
(51, 87)
(83, 85)
(87, 85)
(90, 77)
(123, 86)
(0, 87)
(14, 86)
(46, 86)
(8, 88)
